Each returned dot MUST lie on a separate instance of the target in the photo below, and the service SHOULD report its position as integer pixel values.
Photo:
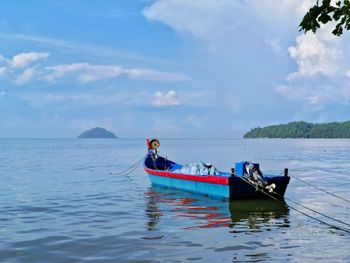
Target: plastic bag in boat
(198, 168)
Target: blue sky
(166, 68)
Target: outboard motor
(253, 173)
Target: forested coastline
(301, 129)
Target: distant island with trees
(301, 129)
(97, 133)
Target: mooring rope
(320, 189)
(320, 213)
(130, 169)
(301, 212)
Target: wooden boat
(227, 185)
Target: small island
(97, 133)
(301, 129)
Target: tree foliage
(301, 129)
(324, 13)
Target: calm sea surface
(62, 200)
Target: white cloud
(56, 72)
(24, 77)
(226, 23)
(18, 72)
(22, 60)
(281, 10)
(215, 23)
(183, 15)
(86, 72)
(166, 99)
(315, 53)
(17, 68)
(222, 22)
(97, 72)
(320, 78)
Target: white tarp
(198, 168)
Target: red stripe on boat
(212, 179)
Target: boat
(239, 183)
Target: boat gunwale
(212, 179)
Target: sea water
(63, 200)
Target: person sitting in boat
(153, 146)
(158, 162)
(255, 175)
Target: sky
(166, 68)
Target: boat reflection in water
(201, 212)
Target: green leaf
(326, 3)
(338, 31)
(324, 18)
(337, 14)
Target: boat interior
(161, 163)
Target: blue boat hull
(213, 190)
